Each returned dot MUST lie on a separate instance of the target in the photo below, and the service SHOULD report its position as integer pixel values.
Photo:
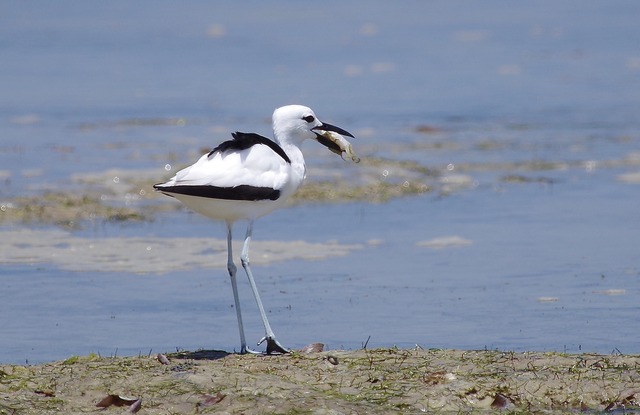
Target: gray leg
(273, 346)
(234, 284)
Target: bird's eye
(309, 118)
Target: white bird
(248, 177)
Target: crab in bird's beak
(331, 137)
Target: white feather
(256, 166)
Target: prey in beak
(331, 137)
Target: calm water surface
(545, 92)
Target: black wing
(243, 141)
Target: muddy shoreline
(331, 382)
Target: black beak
(328, 143)
(329, 127)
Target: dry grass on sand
(334, 382)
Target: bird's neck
(295, 155)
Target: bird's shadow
(200, 355)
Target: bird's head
(295, 123)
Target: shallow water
(528, 116)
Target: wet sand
(331, 382)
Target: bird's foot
(250, 351)
(273, 346)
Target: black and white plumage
(248, 177)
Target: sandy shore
(333, 382)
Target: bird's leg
(273, 346)
(234, 284)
